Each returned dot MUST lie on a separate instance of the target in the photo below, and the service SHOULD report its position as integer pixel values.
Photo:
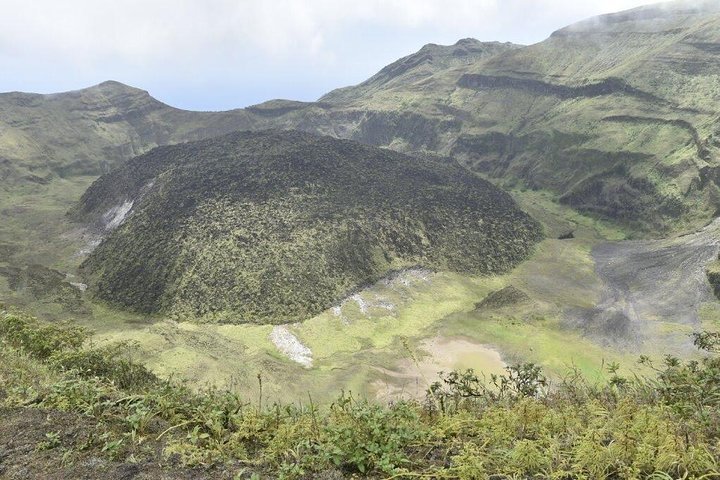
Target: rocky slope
(277, 226)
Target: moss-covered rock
(713, 275)
(505, 297)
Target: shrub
(40, 340)
(361, 436)
(511, 425)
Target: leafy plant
(515, 425)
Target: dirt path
(75, 453)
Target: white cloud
(259, 47)
(150, 30)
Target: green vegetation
(37, 241)
(633, 161)
(507, 297)
(421, 65)
(616, 126)
(279, 226)
(44, 138)
(606, 131)
(518, 424)
(713, 275)
(365, 353)
(619, 127)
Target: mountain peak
(468, 41)
(113, 84)
(430, 59)
(116, 88)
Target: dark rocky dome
(276, 226)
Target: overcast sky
(221, 54)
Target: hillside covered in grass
(278, 226)
(69, 410)
(616, 116)
(89, 131)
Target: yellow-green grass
(710, 316)
(34, 230)
(351, 351)
(544, 342)
(328, 334)
(558, 219)
(33, 219)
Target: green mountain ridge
(278, 226)
(90, 131)
(615, 116)
(430, 59)
(480, 206)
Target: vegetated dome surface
(277, 226)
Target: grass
(34, 221)
(428, 303)
(348, 351)
(35, 231)
(235, 353)
(558, 219)
(710, 315)
(560, 273)
(544, 342)
(514, 424)
(222, 354)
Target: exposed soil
(645, 282)
(412, 377)
(25, 452)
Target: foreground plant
(515, 425)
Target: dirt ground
(412, 377)
(26, 452)
(646, 282)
